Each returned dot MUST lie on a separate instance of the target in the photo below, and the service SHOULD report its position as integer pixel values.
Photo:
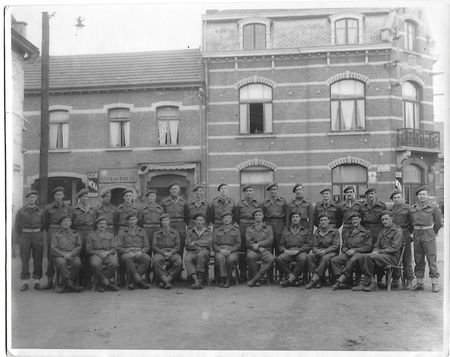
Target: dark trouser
(68, 269)
(408, 272)
(371, 261)
(196, 262)
(319, 264)
(343, 264)
(50, 263)
(167, 270)
(277, 228)
(31, 245)
(242, 261)
(266, 258)
(103, 268)
(85, 271)
(135, 265)
(425, 246)
(284, 261)
(225, 265)
(180, 227)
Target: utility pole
(43, 155)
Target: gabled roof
(119, 70)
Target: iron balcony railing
(418, 138)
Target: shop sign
(92, 184)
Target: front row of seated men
(300, 252)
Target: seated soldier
(66, 247)
(198, 247)
(386, 251)
(259, 239)
(325, 245)
(226, 243)
(101, 249)
(294, 246)
(166, 250)
(354, 243)
(133, 251)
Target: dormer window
(254, 34)
(346, 29)
(410, 35)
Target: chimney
(20, 27)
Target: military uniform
(401, 217)
(179, 217)
(305, 209)
(226, 237)
(167, 241)
(348, 207)
(198, 247)
(275, 216)
(149, 216)
(218, 207)
(120, 218)
(108, 211)
(263, 236)
(370, 216)
(196, 207)
(332, 210)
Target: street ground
(238, 318)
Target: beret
(164, 215)
(57, 189)
(220, 186)
(257, 210)
(354, 214)
(348, 188)
(131, 215)
(396, 191)
(323, 214)
(64, 217)
(226, 213)
(199, 214)
(369, 190)
(151, 191)
(100, 218)
(246, 187)
(33, 192)
(197, 187)
(175, 183)
(82, 192)
(272, 184)
(105, 192)
(126, 191)
(386, 212)
(297, 185)
(325, 189)
(421, 188)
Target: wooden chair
(389, 269)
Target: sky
(111, 28)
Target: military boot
(419, 285)
(434, 285)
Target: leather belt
(421, 228)
(153, 225)
(31, 230)
(247, 220)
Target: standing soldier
(123, 210)
(301, 205)
(244, 217)
(150, 214)
(198, 247)
(220, 205)
(426, 221)
(275, 208)
(177, 209)
(107, 210)
(348, 207)
(370, 211)
(53, 213)
(328, 206)
(325, 245)
(295, 244)
(259, 240)
(401, 217)
(226, 243)
(30, 222)
(83, 220)
(198, 205)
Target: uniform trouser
(242, 260)
(50, 264)
(319, 264)
(408, 272)
(180, 227)
(343, 264)
(284, 261)
(31, 245)
(425, 246)
(85, 271)
(225, 265)
(196, 261)
(135, 265)
(150, 232)
(371, 261)
(266, 258)
(174, 265)
(375, 229)
(277, 228)
(103, 268)
(68, 268)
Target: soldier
(226, 243)
(101, 249)
(29, 224)
(176, 207)
(133, 251)
(198, 247)
(294, 246)
(302, 205)
(83, 218)
(221, 204)
(426, 220)
(244, 217)
(325, 245)
(53, 213)
(348, 207)
(107, 210)
(354, 244)
(198, 205)
(370, 211)
(150, 215)
(401, 217)
(259, 240)
(123, 210)
(328, 206)
(385, 251)
(66, 248)
(275, 208)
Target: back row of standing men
(422, 220)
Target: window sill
(58, 150)
(168, 148)
(255, 136)
(118, 149)
(351, 132)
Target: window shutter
(243, 115)
(268, 118)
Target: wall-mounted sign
(372, 177)
(118, 175)
(92, 184)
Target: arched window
(168, 122)
(410, 35)
(349, 175)
(411, 105)
(346, 31)
(119, 127)
(255, 109)
(348, 105)
(254, 36)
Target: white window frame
(124, 123)
(169, 124)
(244, 110)
(62, 130)
(248, 21)
(410, 39)
(352, 16)
(412, 102)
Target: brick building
(325, 97)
